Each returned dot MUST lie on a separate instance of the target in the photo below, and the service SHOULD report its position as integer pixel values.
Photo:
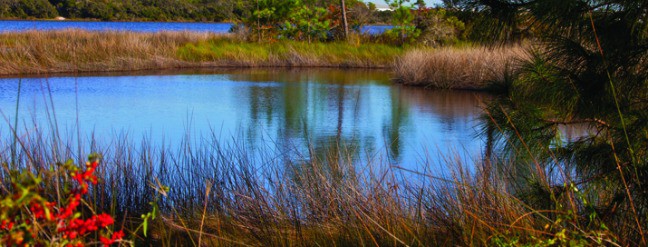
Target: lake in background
(21, 26)
(278, 111)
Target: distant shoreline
(143, 21)
(100, 20)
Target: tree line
(125, 10)
(321, 20)
(151, 10)
(306, 20)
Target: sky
(381, 3)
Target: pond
(21, 26)
(18, 26)
(300, 110)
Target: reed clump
(475, 68)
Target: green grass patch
(289, 53)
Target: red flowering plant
(28, 218)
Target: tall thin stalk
(625, 132)
(14, 163)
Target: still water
(283, 109)
(21, 26)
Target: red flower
(105, 220)
(68, 211)
(118, 235)
(40, 212)
(6, 225)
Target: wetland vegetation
(557, 66)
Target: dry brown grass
(77, 51)
(37, 52)
(457, 68)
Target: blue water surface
(309, 111)
(27, 25)
(20, 26)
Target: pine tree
(589, 73)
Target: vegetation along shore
(84, 51)
(70, 51)
(555, 65)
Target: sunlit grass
(228, 52)
(76, 50)
(37, 52)
(458, 68)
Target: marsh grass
(72, 50)
(228, 52)
(42, 52)
(476, 68)
(223, 194)
(76, 51)
(226, 195)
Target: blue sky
(382, 2)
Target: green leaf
(145, 226)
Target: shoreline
(74, 51)
(175, 71)
(141, 20)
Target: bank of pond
(70, 51)
(233, 142)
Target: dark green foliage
(589, 76)
(146, 10)
(311, 20)
(26, 9)
(402, 19)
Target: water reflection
(310, 111)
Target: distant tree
(360, 14)
(452, 4)
(371, 6)
(438, 27)
(27, 9)
(344, 19)
(306, 21)
(402, 19)
(420, 4)
(591, 73)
